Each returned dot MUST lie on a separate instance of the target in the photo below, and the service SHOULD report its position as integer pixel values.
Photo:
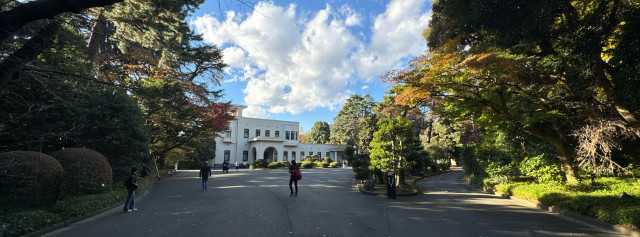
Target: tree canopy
(128, 78)
(320, 133)
(559, 70)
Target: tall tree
(548, 68)
(320, 133)
(391, 145)
(345, 124)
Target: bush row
(33, 177)
(601, 200)
(17, 222)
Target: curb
(569, 214)
(417, 188)
(72, 221)
(566, 213)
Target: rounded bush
(28, 176)
(308, 164)
(85, 171)
(285, 163)
(334, 165)
(273, 165)
(327, 160)
(260, 163)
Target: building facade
(250, 139)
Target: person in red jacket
(295, 176)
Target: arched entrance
(270, 155)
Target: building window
(327, 154)
(285, 156)
(267, 133)
(302, 154)
(277, 133)
(286, 135)
(246, 133)
(293, 155)
(245, 155)
(257, 132)
(295, 137)
(311, 153)
(227, 133)
(227, 155)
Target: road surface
(257, 203)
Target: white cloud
(364, 87)
(396, 34)
(293, 63)
(352, 17)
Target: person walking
(132, 185)
(236, 165)
(225, 167)
(295, 175)
(205, 173)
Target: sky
(300, 60)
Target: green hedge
(273, 165)
(600, 201)
(308, 164)
(15, 221)
(259, 163)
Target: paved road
(257, 203)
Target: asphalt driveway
(257, 203)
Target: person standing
(205, 173)
(236, 165)
(295, 175)
(132, 185)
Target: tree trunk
(561, 144)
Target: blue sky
(300, 60)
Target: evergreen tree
(320, 133)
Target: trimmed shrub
(260, 163)
(542, 168)
(285, 163)
(29, 177)
(273, 165)
(318, 164)
(312, 158)
(327, 160)
(85, 171)
(307, 164)
(361, 173)
(334, 165)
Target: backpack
(127, 181)
(296, 174)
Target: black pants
(291, 188)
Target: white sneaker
(135, 209)
(129, 210)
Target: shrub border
(150, 186)
(417, 188)
(566, 213)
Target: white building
(249, 139)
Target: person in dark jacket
(294, 177)
(132, 186)
(205, 173)
(225, 167)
